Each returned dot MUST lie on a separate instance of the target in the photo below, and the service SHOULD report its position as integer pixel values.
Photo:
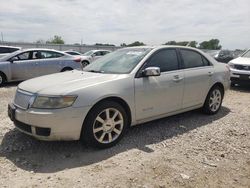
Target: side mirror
(13, 59)
(93, 55)
(151, 71)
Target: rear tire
(105, 125)
(85, 63)
(2, 79)
(66, 69)
(213, 101)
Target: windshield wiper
(95, 71)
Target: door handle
(177, 78)
(210, 73)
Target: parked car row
(30, 63)
(89, 56)
(124, 88)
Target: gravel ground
(187, 150)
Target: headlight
(231, 65)
(53, 102)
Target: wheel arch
(219, 84)
(66, 68)
(120, 101)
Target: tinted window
(205, 61)
(4, 50)
(7, 50)
(73, 53)
(191, 59)
(99, 53)
(166, 60)
(13, 50)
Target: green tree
(182, 43)
(55, 40)
(136, 43)
(213, 44)
(40, 41)
(123, 44)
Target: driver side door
(159, 95)
(20, 66)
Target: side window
(98, 53)
(205, 61)
(13, 50)
(165, 59)
(4, 50)
(191, 59)
(50, 54)
(24, 56)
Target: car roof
(2, 46)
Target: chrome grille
(22, 99)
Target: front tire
(105, 125)
(2, 79)
(213, 101)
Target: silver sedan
(126, 87)
(30, 63)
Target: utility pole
(2, 36)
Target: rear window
(4, 50)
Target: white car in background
(126, 87)
(5, 50)
(240, 69)
(89, 56)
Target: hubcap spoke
(118, 122)
(107, 114)
(110, 137)
(115, 115)
(116, 131)
(98, 129)
(100, 120)
(102, 137)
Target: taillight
(78, 59)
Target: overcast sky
(116, 21)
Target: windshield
(89, 53)
(118, 62)
(247, 54)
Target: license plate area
(244, 77)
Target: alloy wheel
(108, 125)
(215, 100)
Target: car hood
(67, 82)
(241, 61)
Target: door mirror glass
(151, 71)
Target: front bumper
(44, 124)
(240, 76)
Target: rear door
(47, 62)
(198, 72)
(158, 95)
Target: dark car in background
(5, 50)
(224, 56)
